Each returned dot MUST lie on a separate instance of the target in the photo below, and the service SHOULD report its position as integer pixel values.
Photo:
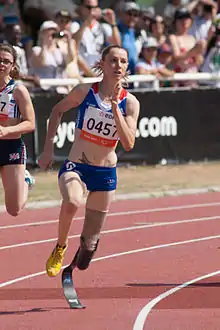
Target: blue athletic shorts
(12, 152)
(96, 178)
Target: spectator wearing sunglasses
(132, 38)
(90, 34)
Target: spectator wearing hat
(148, 63)
(48, 60)
(187, 52)
(66, 43)
(146, 16)
(157, 29)
(132, 38)
(91, 34)
(164, 57)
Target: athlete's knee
(71, 205)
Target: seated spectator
(90, 34)
(157, 29)
(9, 8)
(202, 23)
(211, 62)
(149, 64)
(146, 16)
(13, 36)
(48, 60)
(164, 57)
(132, 38)
(171, 7)
(63, 19)
(187, 53)
(165, 54)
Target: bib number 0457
(104, 128)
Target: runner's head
(8, 57)
(113, 63)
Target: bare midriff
(83, 151)
(11, 122)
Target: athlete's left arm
(126, 126)
(24, 102)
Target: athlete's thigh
(13, 181)
(100, 200)
(71, 187)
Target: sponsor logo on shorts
(111, 181)
(70, 166)
(14, 156)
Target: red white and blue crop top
(8, 106)
(96, 120)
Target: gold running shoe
(55, 261)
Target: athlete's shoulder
(83, 88)
(19, 88)
(132, 99)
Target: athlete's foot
(29, 179)
(55, 261)
(85, 256)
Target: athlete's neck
(106, 88)
(3, 83)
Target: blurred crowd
(65, 40)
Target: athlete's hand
(3, 131)
(116, 93)
(45, 160)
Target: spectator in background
(202, 23)
(157, 29)
(170, 9)
(211, 62)
(35, 12)
(13, 34)
(9, 8)
(90, 34)
(48, 60)
(164, 57)
(132, 38)
(146, 16)
(187, 53)
(149, 64)
(63, 18)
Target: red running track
(157, 268)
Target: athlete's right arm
(72, 100)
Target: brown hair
(97, 67)
(15, 74)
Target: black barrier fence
(177, 126)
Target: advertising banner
(175, 126)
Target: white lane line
(150, 248)
(114, 214)
(156, 224)
(142, 316)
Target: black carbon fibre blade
(69, 289)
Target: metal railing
(199, 77)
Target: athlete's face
(6, 63)
(115, 64)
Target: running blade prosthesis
(68, 287)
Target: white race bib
(4, 105)
(99, 127)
